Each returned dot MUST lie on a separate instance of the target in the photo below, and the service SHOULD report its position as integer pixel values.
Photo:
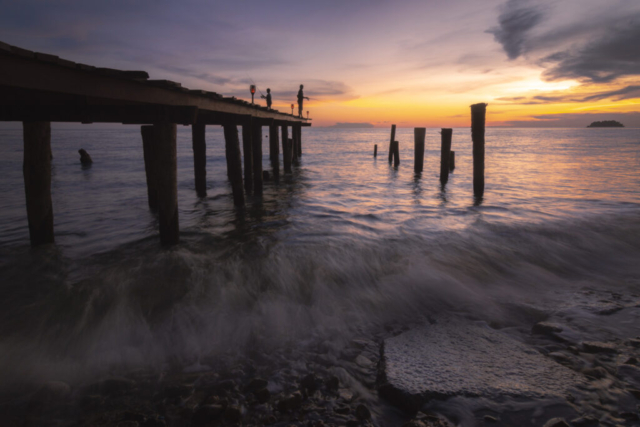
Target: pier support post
(199, 158)
(294, 136)
(418, 148)
(396, 153)
(393, 138)
(234, 162)
(167, 181)
(36, 170)
(150, 165)
(247, 149)
(256, 139)
(375, 150)
(445, 154)
(286, 150)
(297, 129)
(274, 146)
(452, 161)
(478, 116)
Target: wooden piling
(150, 165)
(396, 153)
(297, 129)
(393, 138)
(286, 150)
(418, 147)
(256, 139)
(452, 161)
(294, 137)
(167, 181)
(199, 158)
(274, 146)
(375, 150)
(36, 170)
(478, 116)
(234, 162)
(445, 154)
(247, 151)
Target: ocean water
(343, 246)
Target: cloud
(576, 120)
(517, 19)
(627, 92)
(603, 60)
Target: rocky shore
(577, 366)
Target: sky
(544, 63)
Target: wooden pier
(37, 89)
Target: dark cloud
(517, 19)
(627, 92)
(576, 120)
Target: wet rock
(425, 363)
(610, 310)
(556, 422)
(270, 420)
(599, 347)
(345, 395)
(256, 384)
(363, 413)
(635, 393)
(546, 328)
(309, 383)
(128, 424)
(333, 383)
(629, 373)
(586, 421)
(291, 402)
(262, 395)
(176, 391)
(205, 414)
(342, 409)
(490, 419)
(85, 158)
(596, 373)
(233, 414)
(634, 342)
(364, 362)
(631, 361)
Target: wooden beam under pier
(199, 158)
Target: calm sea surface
(345, 244)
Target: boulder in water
(85, 158)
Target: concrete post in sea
(375, 150)
(419, 135)
(452, 161)
(247, 151)
(286, 150)
(396, 153)
(274, 150)
(256, 142)
(478, 117)
(36, 170)
(199, 158)
(445, 154)
(234, 162)
(165, 153)
(393, 138)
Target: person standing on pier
(301, 97)
(268, 98)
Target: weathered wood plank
(199, 158)
(234, 163)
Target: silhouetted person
(268, 98)
(301, 97)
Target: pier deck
(38, 88)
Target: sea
(340, 248)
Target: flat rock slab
(455, 357)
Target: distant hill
(351, 125)
(606, 124)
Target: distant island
(606, 124)
(352, 125)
